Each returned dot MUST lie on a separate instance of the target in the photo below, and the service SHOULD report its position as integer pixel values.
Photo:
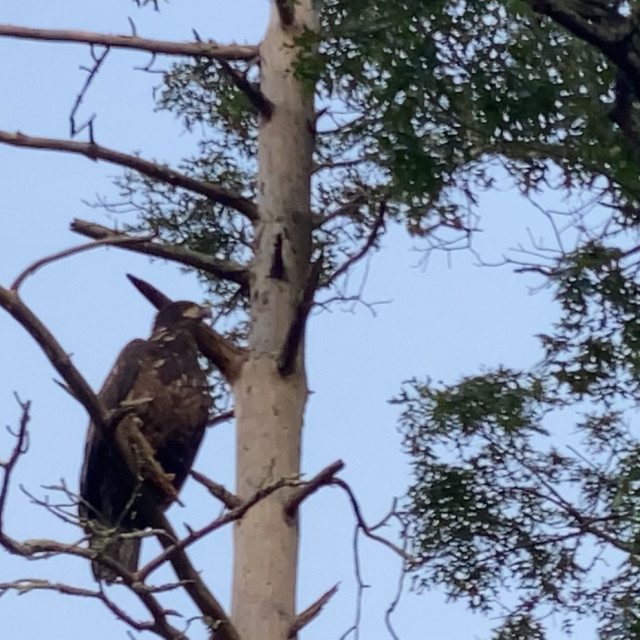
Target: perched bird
(161, 381)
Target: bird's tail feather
(124, 551)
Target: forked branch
(321, 479)
(197, 49)
(153, 170)
(226, 270)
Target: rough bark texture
(269, 406)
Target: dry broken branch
(226, 270)
(228, 499)
(227, 357)
(153, 170)
(306, 616)
(208, 49)
(26, 585)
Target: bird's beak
(198, 312)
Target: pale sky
(443, 320)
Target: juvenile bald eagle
(164, 376)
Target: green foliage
(500, 515)
(595, 348)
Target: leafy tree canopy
(420, 101)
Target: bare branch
(306, 616)
(150, 169)
(208, 49)
(47, 548)
(38, 264)
(228, 499)
(226, 356)
(225, 270)
(26, 585)
(11, 302)
(252, 91)
(323, 478)
(285, 11)
(297, 328)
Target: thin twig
(369, 243)
(338, 482)
(20, 448)
(98, 60)
(225, 416)
(33, 267)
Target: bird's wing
(119, 382)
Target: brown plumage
(164, 376)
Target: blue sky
(443, 320)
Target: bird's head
(181, 314)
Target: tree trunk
(269, 406)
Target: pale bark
(269, 406)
